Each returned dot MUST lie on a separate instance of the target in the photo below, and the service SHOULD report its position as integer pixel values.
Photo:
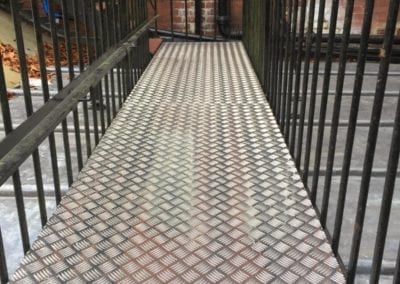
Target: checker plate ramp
(192, 183)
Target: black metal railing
(99, 51)
(288, 47)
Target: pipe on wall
(223, 22)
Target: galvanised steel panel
(192, 183)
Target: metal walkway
(192, 183)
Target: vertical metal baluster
(89, 35)
(291, 70)
(258, 41)
(133, 18)
(186, 20)
(121, 13)
(129, 16)
(139, 8)
(3, 262)
(106, 32)
(90, 43)
(119, 37)
(278, 51)
(99, 51)
(15, 12)
(119, 86)
(245, 25)
(134, 71)
(268, 49)
(114, 16)
(102, 90)
(46, 97)
(275, 51)
(124, 80)
(135, 57)
(19, 199)
(372, 137)
(297, 77)
(21, 56)
(114, 41)
(171, 14)
(215, 19)
(57, 63)
(304, 91)
(280, 59)
(313, 92)
(324, 98)
(127, 77)
(307, 61)
(351, 130)
(108, 22)
(123, 19)
(200, 6)
(197, 15)
(387, 198)
(78, 35)
(108, 104)
(77, 25)
(137, 66)
(67, 33)
(155, 13)
(145, 14)
(140, 60)
(110, 42)
(396, 276)
(90, 48)
(113, 97)
(140, 11)
(100, 101)
(135, 13)
(103, 23)
(129, 71)
(93, 95)
(336, 110)
(129, 74)
(95, 26)
(5, 108)
(288, 41)
(67, 39)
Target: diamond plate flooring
(192, 183)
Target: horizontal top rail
(20, 144)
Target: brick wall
(207, 11)
(379, 16)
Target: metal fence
(104, 47)
(299, 64)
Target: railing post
(3, 263)
(256, 35)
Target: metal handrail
(20, 144)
